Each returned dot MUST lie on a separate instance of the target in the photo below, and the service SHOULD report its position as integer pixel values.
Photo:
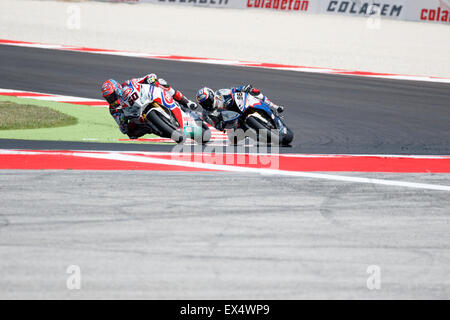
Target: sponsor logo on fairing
(364, 8)
(288, 5)
(167, 98)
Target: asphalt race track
(328, 114)
(212, 235)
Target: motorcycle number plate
(240, 100)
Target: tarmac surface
(161, 235)
(327, 113)
(198, 235)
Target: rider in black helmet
(212, 101)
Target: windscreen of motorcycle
(240, 99)
(133, 105)
(223, 99)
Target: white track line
(287, 155)
(124, 157)
(294, 155)
(133, 158)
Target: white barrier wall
(412, 10)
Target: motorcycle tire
(167, 129)
(264, 134)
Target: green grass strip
(26, 116)
(93, 124)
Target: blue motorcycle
(254, 117)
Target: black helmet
(205, 97)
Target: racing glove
(192, 105)
(279, 109)
(247, 88)
(253, 91)
(152, 78)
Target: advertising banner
(237, 4)
(395, 9)
(412, 10)
(309, 6)
(429, 10)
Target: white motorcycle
(153, 106)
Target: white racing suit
(128, 120)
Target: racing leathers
(223, 100)
(135, 129)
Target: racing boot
(188, 104)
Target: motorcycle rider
(113, 90)
(212, 102)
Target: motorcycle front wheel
(166, 128)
